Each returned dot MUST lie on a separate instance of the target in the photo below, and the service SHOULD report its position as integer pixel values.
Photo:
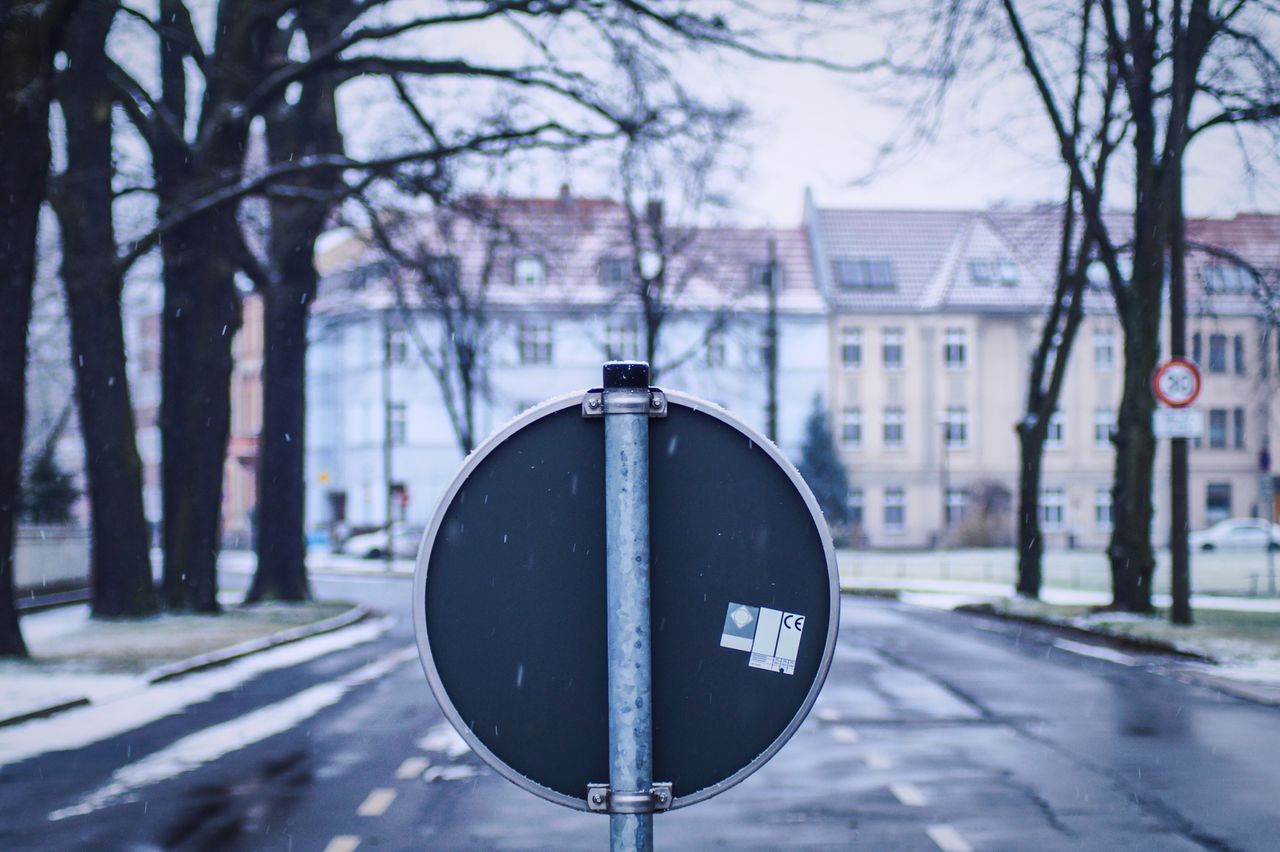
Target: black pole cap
(626, 374)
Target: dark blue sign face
(510, 601)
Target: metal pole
(771, 345)
(386, 434)
(626, 490)
(1179, 513)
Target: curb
(212, 659)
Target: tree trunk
(281, 541)
(1030, 541)
(201, 316)
(28, 39)
(121, 562)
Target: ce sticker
(791, 621)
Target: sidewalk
(76, 660)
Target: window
(957, 501)
(1217, 353)
(990, 272)
(1056, 434)
(758, 276)
(397, 346)
(955, 427)
(1237, 430)
(865, 274)
(893, 427)
(615, 272)
(1196, 348)
(534, 343)
(440, 271)
(895, 510)
(851, 428)
(1104, 349)
(1237, 346)
(397, 423)
(891, 348)
(954, 346)
(530, 272)
(1219, 278)
(1217, 502)
(1053, 509)
(622, 342)
(851, 347)
(855, 506)
(1103, 516)
(1217, 428)
(715, 349)
(1104, 422)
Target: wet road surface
(936, 730)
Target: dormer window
(615, 272)
(758, 276)
(530, 272)
(993, 272)
(1221, 278)
(865, 273)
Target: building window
(1237, 346)
(758, 276)
(534, 343)
(615, 273)
(441, 272)
(1219, 278)
(1055, 435)
(1103, 516)
(1104, 423)
(1237, 430)
(955, 427)
(851, 428)
(851, 347)
(1217, 353)
(954, 348)
(622, 342)
(990, 272)
(957, 501)
(1053, 509)
(530, 272)
(1217, 502)
(893, 427)
(891, 348)
(397, 345)
(1196, 348)
(397, 423)
(865, 274)
(1104, 349)
(1217, 428)
(715, 349)
(895, 510)
(855, 507)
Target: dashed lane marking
(412, 767)
(948, 839)
(844, 734)
(909, 795)
(876, 760)
(343, 843)
(377, 802)
(1097, 652)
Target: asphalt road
(935, 731)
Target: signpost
(623, 634)
(1176, 382)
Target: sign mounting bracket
(598, 402)
(602, 800)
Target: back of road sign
(510, 615)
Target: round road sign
(509, 600)
(1176, 382)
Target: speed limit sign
(1176, 382)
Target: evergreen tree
(822, 470)
(50, 491)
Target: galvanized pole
(626, 490)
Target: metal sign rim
(553, 406)
(1169, 364)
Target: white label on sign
(1178, 423)
(771, 635)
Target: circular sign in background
(509, 599)
(1176, 382)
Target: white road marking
(876, 760)
(948, 839)
(376, 803)
(1097, 652)
(343, 843)
(844, 734)
(202, 747)
(909, 795)
(450, 773)
(412, 767)
(826, 714)
(443, 738)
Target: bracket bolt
(593, 403)
(654, 402)
(597, 798)
(662, 796)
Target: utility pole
(387, 555)
(1179, 521)
(771, 343)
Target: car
(405, 539)
(1236, 534)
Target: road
(936, 730)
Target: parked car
(1237, 534)
(405, 539)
